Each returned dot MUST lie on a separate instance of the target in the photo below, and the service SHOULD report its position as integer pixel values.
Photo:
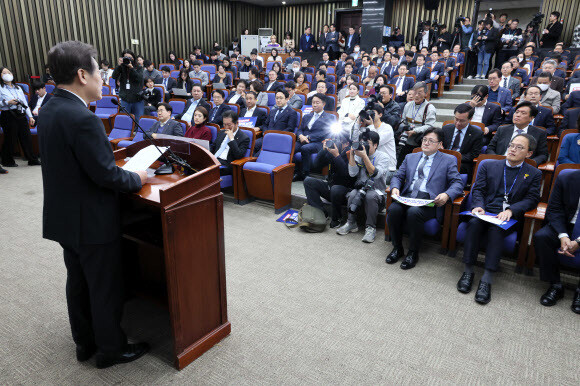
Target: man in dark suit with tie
(81, 207)
(560, 237)
(463, 137)
(192, 103)
(230, 144)
(392, 69)
(421, 71)
(216, 113)
(430, 175)
(572, 100)
(437, 68)
(38, 99)
(485, 112)
(351, 40)
(281, 117)
(315, 128)
(545, 119)
(254, 60)
(332, 42)
(508, 189)
(570, 120)
(307, 41)
(363, 71)
(251, 111)
(523, 115)
(167, 81)
(273, 84)
(402, 83)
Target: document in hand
(491, 218)
(144, 158)
(413, 201)
(247, 121)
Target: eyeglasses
(430, 141)
(517, 147)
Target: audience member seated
(363, 71)
(391, 109)
(437, 69)
(273, 84)
(198, 129)
(106, 72)
(350, 107)
(250, 110)
(294, 101)
(38, 99)
(402, 83)
(257, 86)
(573, 100)
(559, 238)
(418, 116)
(238, 96)
(458, 55)
(196, 100)
(165, 125)
(167, 81)
(348, 70)
(198, 73)
(571, 120)
(184, 83)
(149, 71)
(315, 127)
(151, 96)
(370, 166)
(485, 112)
(524, 113)
(545, 119)
(321, 89)
(498, 94)
(413, 180)
(305, 68)
(570, 150)
(557, 82)
(344, 92)
(392, 68)
(279, 75)
(421, 71)
(301, 85)
(517, 70)
(463, 137)
(247, 66)
(449, 62)
(213, 59)
(550, 97)
(281, 118)
(216, 113)
(319, 76)
(221, 76)
(291, 59)
(230, 144)
(507, 189)
(274, 57)
(508, 81)
(255, 60)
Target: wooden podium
(173, 245)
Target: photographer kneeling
(370, 167)
(130, 78)
(338, 181)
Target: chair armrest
(539, 213)
(115, 142)
(458, 201)
(281, 168)
(242, 161)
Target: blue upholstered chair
(271, 98)
(105, 108)
(106, 90)
(145, 123)
(210, 68)
(25, 87)
(234, 107)
(174, 74)
(122, 129)
(214, 128)
(170, 65)
(269, 176)
(50, 88)
(178, 105)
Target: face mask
(356, 49)
(543, 87)
(8, 77)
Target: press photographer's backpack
(310, 219)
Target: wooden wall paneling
(570, 12)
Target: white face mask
(8, 77)
(543, 87)
(356, 49)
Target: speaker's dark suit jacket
(286, 120)
(79, 174)
(470, 147)
(258, 113)
(502, 138)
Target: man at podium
(81, 208)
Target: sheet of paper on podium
(201, 142)
(413, 201)
(144, 158)
(492, 219)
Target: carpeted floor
(304, 308)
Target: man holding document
(507, 189)
(81, 208)
(429, 175)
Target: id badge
(505, 205)
(128, 86)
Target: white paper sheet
(490, 219)
(413, 201)
(143, 159)
(201, 142)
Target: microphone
(167, 168)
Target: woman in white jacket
(350, 108)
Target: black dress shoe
(464, 284)
(12, 165)
(334, 224)
(576, 302)
(395, 255)
(34, 162)
(298, 177)
(411, 260)
(483, 294)
(132, 352)
(84, 353)
(552, 295)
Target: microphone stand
(167, 168)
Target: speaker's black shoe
(552, 295)
(395, 255)
(464, 284)
(483, 294)
(84, 353)
(576, 302)
(411, 260)
(131, 353)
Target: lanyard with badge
(365, 167)
(506, 193)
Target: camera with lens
(363, 140)
(459, 21)
(368, 113)
(488, 15)
(127, 60)
(536, 20)
(330, 144)
(360, 195)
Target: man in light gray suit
(430, 175)
(165, 125)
